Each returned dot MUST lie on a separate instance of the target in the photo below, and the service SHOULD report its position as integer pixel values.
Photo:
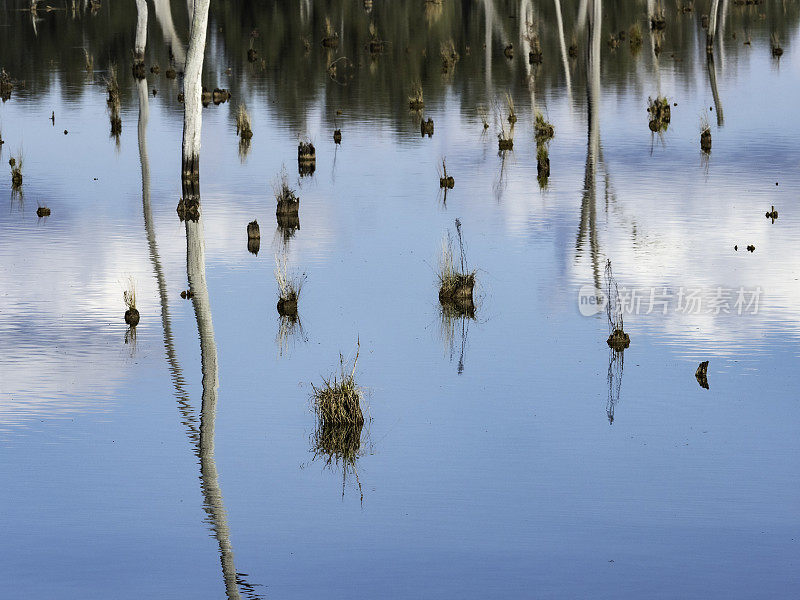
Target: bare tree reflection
(616, 361)
(587, 230)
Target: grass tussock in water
(617, 339)
(416, 100)
(287, 202)
(129, 297)
(705, 134)
(456, 280)
(337, 402)
(289, 286)
(659, 110)
(449, 55)
(16, 171)
(635, 37)
(512, 111)
(484, 116)
(243, 124)
(544, 129)
(446, 181)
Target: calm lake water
(512, 455)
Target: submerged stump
(618, 340)
(132, 317)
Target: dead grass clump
(659, 110)
(544, 129)
(306, 151)
(338, 401)
(129, 297)
(220, 96)
(112, 86)
(253, 231)
(287, 201)
(375, 44)
(705, 134)
(289, 287)
(635, 37)
(512, 113)
(449, 55)
(426, 127)
(6, 85)
(88, 61)
(170, 73)
(532, 37)
(484, 115)
(456, 280)
(657, 20)
(772, 214)
(415, 100)
(243, 124)
(508, 51)
(617, 340)
(16, 171)
(337, 136)
(775, 44)
(542, 164)
(446, 181)
(42, 211)
(331, 38)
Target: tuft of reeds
(337, 136)
(542, 164)
(415, 100)
(88, 61)
(456, 280)
(532, 37)
(775, 44)
(508, 51)
(243, 124)
(306, 157)
(617, 339)
(635, 37)
(705, 134)
(512, 113)
(112, 85)
(129, 297)
(446, 181)
(543, 128)
(484, 115)
(426, 127)
(6, 85)
(289, 287)
(657, 20)
(659, 110)
(772, 214)
(449, 55)
(375, 43)
(287, 201)
(42, 211)
(331, 38)
(16, 171)
(337, 402)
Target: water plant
(337, 402)
(617, 340)
(456, 279)
(243, 124)
(129, 297)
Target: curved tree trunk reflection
(712, 77)
(164, 18)
(209, 478)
